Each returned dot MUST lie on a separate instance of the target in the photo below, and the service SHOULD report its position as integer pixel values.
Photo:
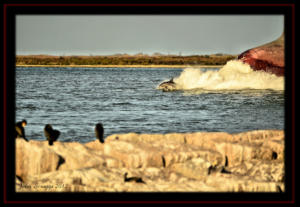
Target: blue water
(125, 100)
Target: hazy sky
(168, 34)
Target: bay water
(126, 100)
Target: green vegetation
(139, 59)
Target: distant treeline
(217, 59)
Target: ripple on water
(125, 100)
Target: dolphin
(167, 85)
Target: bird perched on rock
(19, 129)
(222, 169)
(133, 179)
(99, 131)
(51, 134)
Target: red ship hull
(268, 57)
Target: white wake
(235, 75)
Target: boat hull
(268, 57)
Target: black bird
(211, 169)
(133, 179)
(221, 169)
(51, 134)
(224, 170)
(99, 131)
(19, 129)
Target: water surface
(125, 100)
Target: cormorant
(19, 129)
(221, 169)
(99, 131)
(51, 134)
(133, 179)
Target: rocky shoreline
(179, 162)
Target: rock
(196, 168)
(75, 155)
(174, 162)
(132, 154)
(32, 159)
(236, 184)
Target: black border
(9, 12)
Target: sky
(148, 34)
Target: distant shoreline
(125, 66)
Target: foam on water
(235, 75)
(125, 101)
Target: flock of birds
(53, 134)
